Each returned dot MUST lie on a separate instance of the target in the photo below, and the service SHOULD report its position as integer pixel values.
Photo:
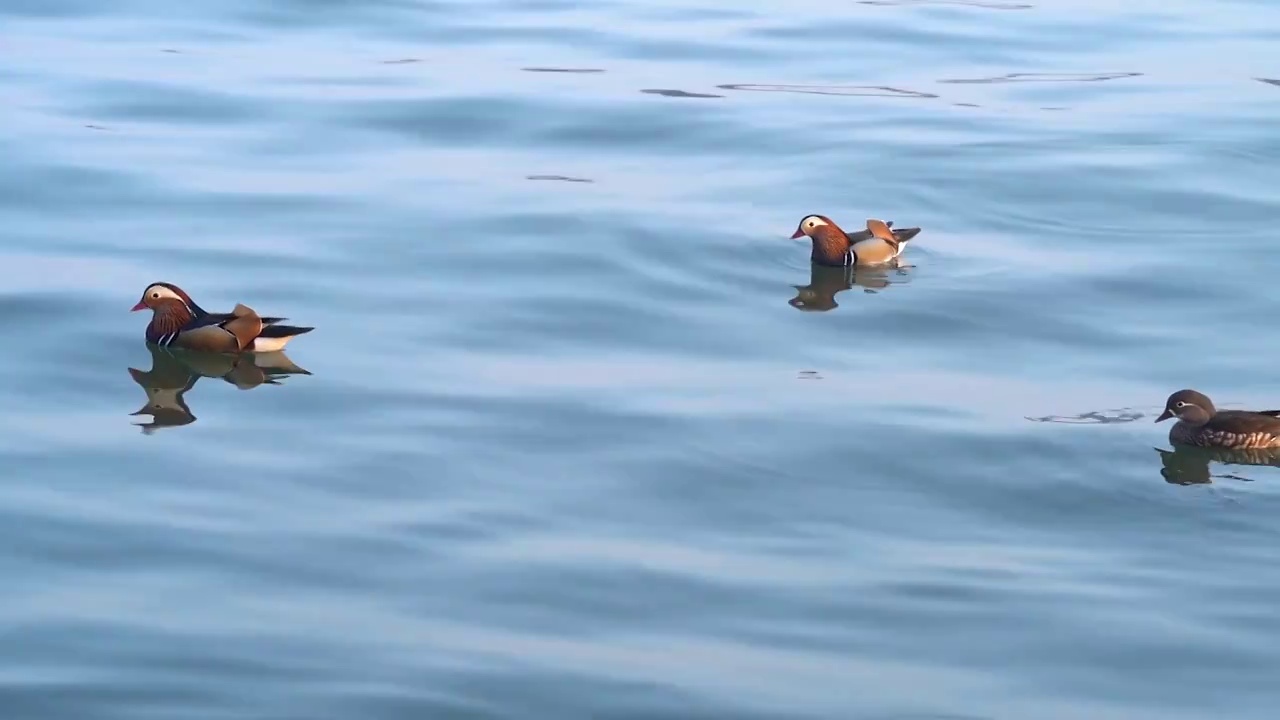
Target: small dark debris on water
(96, 127)
(560, 178)
(562, 70)
(808, 375)
(171, 51)
(967, 105)
(401, 61)
(679, 93)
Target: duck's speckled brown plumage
(1200, 424)
(1236, 429)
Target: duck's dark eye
(155, 296)
(810, 223)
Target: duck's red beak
(142, 305)
(797, 234)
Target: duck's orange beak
(797, 234)
(142, 305)
(1164, 415)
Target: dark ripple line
(1269, 81)
(562, 70)
(679, 93)
(560, 178)
(968, 3)
(879, 90)
(1043, 77)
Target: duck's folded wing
(219, 318)
(221, 332)
(1246, 421)
(864, 234)
(245, 325)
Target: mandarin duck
(879, 244)
(177, 321)
(1200, 424)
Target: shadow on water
(173, 372)
(1190, 465)
(826, 282)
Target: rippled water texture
(580, 433)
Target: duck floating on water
(1200, 424)
(177, 321)
(879, 244)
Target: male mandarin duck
(177, 321)
(879, 244)
(1200, 424)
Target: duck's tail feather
(905, 234)
(281, 331)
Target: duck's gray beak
(1164, 415)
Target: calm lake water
(580, 434)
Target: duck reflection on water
(174, 372)
(826, 282)
(1185, 465)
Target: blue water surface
(580, 433)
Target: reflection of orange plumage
(174, 371)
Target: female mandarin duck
(879, 244)
(178, 321)
(1202, 425)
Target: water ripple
(855, 90)
(1044, 77)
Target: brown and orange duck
(177, 321)
(879, 244)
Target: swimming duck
(879, 244)
(1200, 424)
(178, 321)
